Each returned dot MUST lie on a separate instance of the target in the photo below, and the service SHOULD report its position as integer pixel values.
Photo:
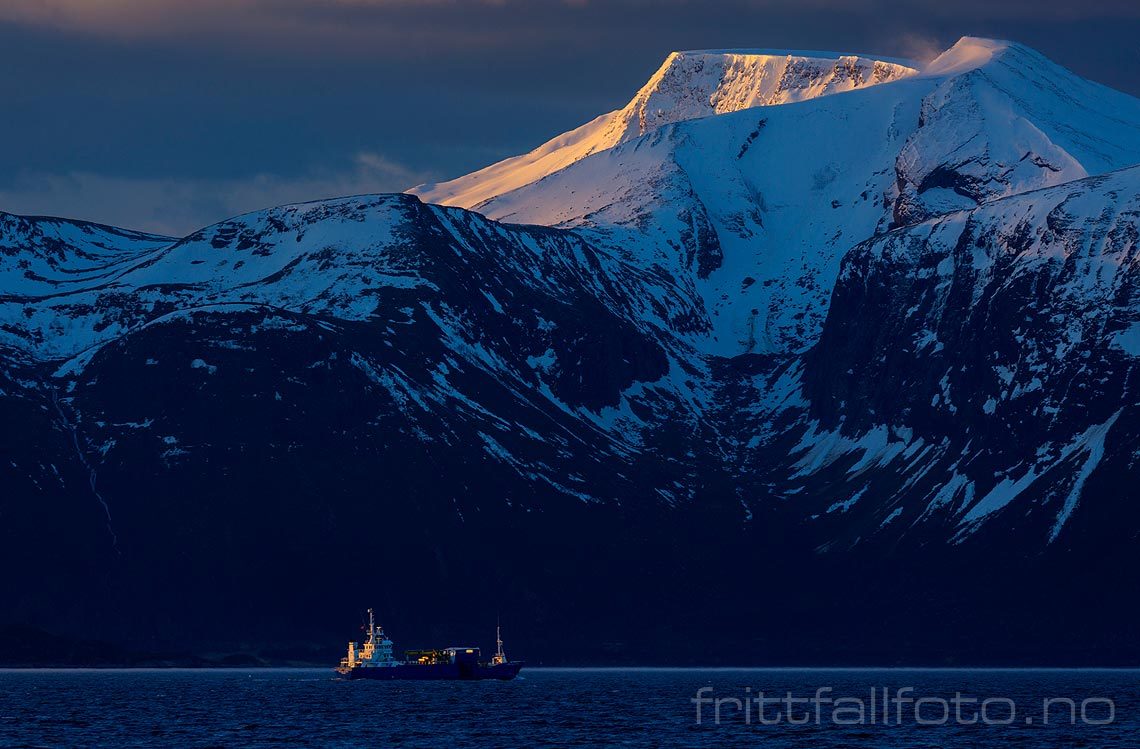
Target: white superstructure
(376, 652)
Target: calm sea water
(564, 708)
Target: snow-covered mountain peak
(1005, 119)
(759, 203)
(968, 53)
(687, 86)
(1014, 68)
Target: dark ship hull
(437, 672)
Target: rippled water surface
(565, 708)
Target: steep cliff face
(994, 352)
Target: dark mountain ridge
(916, 448)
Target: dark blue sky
(169, 115)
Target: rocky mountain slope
(974, 381)
(758, 206)
(815, 314)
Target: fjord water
(555, 707)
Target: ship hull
(436, 672)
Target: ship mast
(500, 656)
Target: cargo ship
(374, 660)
